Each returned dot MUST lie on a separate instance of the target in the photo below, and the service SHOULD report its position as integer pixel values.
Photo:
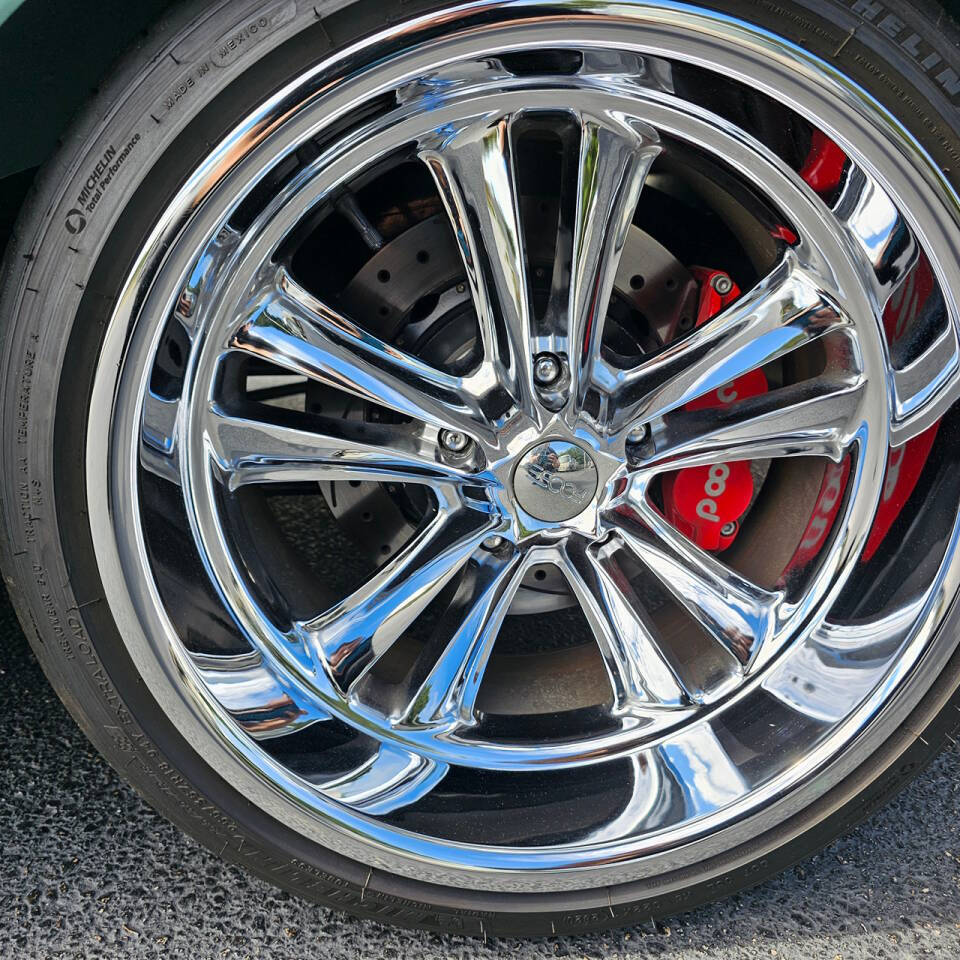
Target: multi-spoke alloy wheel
(518, 455)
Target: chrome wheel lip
(166, 670)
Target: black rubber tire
(61, 275)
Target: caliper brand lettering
(714, 487)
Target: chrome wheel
(423, 298)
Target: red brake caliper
(706, 503)
(825, 163)
(823, 170)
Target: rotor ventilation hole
(636, 282)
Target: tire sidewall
(70, 253)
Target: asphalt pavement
(88, 870)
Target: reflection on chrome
(704, 774)
(840, 664)
(259, 698)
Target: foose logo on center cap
(554, 483)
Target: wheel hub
(555, 480)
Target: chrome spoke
(352, 635)
(249, 450)
(257, 694)
(464, 638)
(640, 672)
(782, 313)
(821, 417)
(739, 615)
(474, 170)
(714, 776)
(614, 158)
(158, 448)
(890, 253)
(878, 231)
(392, 778)
(289, 327)
(629, 69)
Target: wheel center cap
(555, 480)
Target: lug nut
(454, 441)
(638, 434)
(722, 284)
(492, 543)
(546, 369)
